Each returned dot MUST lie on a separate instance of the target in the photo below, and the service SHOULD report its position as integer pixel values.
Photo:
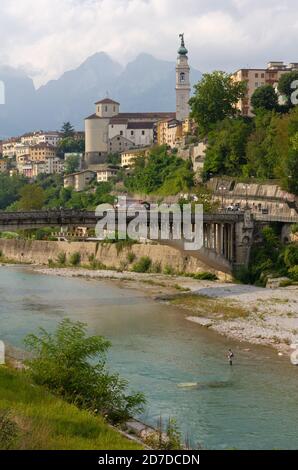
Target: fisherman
(230, 356)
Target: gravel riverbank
(242, 312)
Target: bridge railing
(276, 218)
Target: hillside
(33, 419)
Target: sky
(47, 37)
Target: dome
(182, 50)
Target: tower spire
(182, 82)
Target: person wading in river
(230, 356)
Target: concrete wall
(39, 252)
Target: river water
(252, 405)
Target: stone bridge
(227, 236)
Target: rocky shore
(242, 312)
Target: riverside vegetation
(66, 398)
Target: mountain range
(145, 84)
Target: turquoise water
(250, 406)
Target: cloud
(51, 36)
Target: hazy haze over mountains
(145, 84)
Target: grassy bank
(204, 306)
(38, 420)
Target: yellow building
(129, 157)
(42, 152)
(105, 173)
(256, 78)
(169, 132)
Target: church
(110, 131)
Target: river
(252, 405)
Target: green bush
(143, 265)
(294, 228)
(203, 276)
(291, 255)
(61, 258)
(169, 270)
(131, 257)
(94, 264)
(293, 272)
(75, 259)
(73, 366)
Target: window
(262, 75)
(257, 75)
(106, 108)
(256, 85)
(121, 132)
(131, 132)
(182, 77)
(143, 132)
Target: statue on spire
(181, 36)
(182, 49)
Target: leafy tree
(114, 159)
(67, 130)
(226, 151)
(284, 86)
(73, 365)
(10, 189)
(264, 97)
(32, 198)
(161, 173)
(70, 145)
(216, 96)
(72, 164)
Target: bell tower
(182, 82)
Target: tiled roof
(154, 115)
(107, 101)
(140, 125)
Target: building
(169, 132)
(109, 131)
(54, 165)
(105, 173)
(259, 77)
(26, 169)
(80, 180)
(182, 83)
(198, 154)
(42, 151)
(129, 157)
(41, 137)
(9, 148)
(21, 150)
(3, 166)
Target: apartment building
(41, 137)
(169, 132)
(42, 151)
(258, 77)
